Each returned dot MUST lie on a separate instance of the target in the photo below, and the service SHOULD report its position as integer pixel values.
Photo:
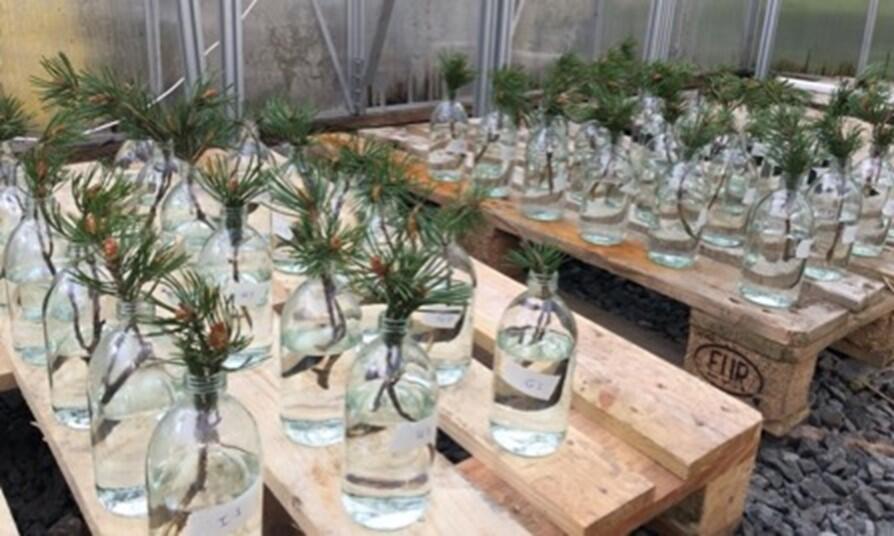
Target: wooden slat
(71, 448)
(7, 378)
(7, 524)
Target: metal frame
(191, 40)
(768, 39)
(153, 44)
(868, 33)
(659, 30)
(232, 58)
(496, 23)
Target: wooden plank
(7, 524)
(680, 422)
(7, 378)
(71, 448)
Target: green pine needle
(232, 187)
(280, 121)
(511, 92)
(832, 132)
(44, 161)
(455, 69)
(14, 119)
(668, 81)
(537, 258)
(791, 142)
(697, 131)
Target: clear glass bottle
(128, 390)
(74, 317)
(737, 180)
(533, 370)
(34, 254)
(591, 150)
(320, 329)
(546, 171)
(133, 156)
(151, 177)
(778, 240)
(281, 224)
(681, 207)
(238, 258)
(875, 177)
(390, 426)
(603, 211)
(448, 148)
(446, 332)
(10, 201)
(203, 465)
(249, 152)
(493, 158)
(189, 214)
(836, 202)
(656, 155)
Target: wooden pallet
(7, 524)
(7, 378)
(768, 358)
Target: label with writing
(249, 294)
(411, 435)
(457, 146)
(533, 384)
(228, 518)
(443, 319)
(750, 196)
(803, 249)
(888, 209)
(282, 226)
(849, 234)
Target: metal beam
(232, 59)
(768, 39)
(191, 40)
(333, 55)
(868, 33)
(153, 44)
(378, 42)
(598, 28)
(749, 35)
(356, 52)
(485, 53)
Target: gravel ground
(833, 475)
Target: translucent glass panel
(883, 39)
(710, 34)
(544, 30)
(820, 36)
(623, 19)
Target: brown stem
(393, 360)
(162, 189)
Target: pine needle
(279, 121)
(14, 119)
(537, 258)
(454, 67)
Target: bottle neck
(205, 384)
(235, 218)
(543, 285)
(393, 330)
(129, 311)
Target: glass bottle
(128, 390)
(390, 425)
(74, 317)
(588, 157)
(875, 177)
(203, 466)
(281, 223)
(836, 202)
(10, 201)
(546, 171)
(533, 370)
(603, 212)
(320, 329)
(151, 178)
(736, 182)
(493, 159)
(188, 214)
(238, 258)
(133, 156)
(778, 240)
(34, 254)
(447, 141)
(681, 207)
(446, 332)
(249, 152)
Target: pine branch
(832, 132)
(668, 81)
(698, 131)
(44, 161)
(455, 69)
(14, 119)
(537, 258)
(511, 93)
(281, 122)
(232, 187)
(791, 142)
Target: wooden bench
(765, 357)
(7, 524)
(7, 379)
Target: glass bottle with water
(238, 259)
(778, 241)
(493, 158)
(204, 464)
(681, 211)
(189, 214)
(11, 204)
(320, 329)
(546, 171)
(128, 390)
(390, 426)
(603, 211)
(836, 202)
(875, 177)
(533, 370)
(448, 148)
(737, 183)
(589, 154)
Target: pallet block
(7, 378)
(7, 524)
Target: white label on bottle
(444, 319)
(457, 146)
(534, 384)
(411, 435)
(888, 209)
(228, 518)
(750, 196)
(803, 249)
(702, 219)
(507, 152)
(249, 294)
(849, 234)
(282, 227)
(629, 188)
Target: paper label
(249, 294)
(803, 249)
(457, 146)
(750, 196)
(444, 319)
(226, 518)
(282, 227)
(849, 234)
(533, 384)
(888, 209)
(411, 435)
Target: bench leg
(773, 379)
(872, 344)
